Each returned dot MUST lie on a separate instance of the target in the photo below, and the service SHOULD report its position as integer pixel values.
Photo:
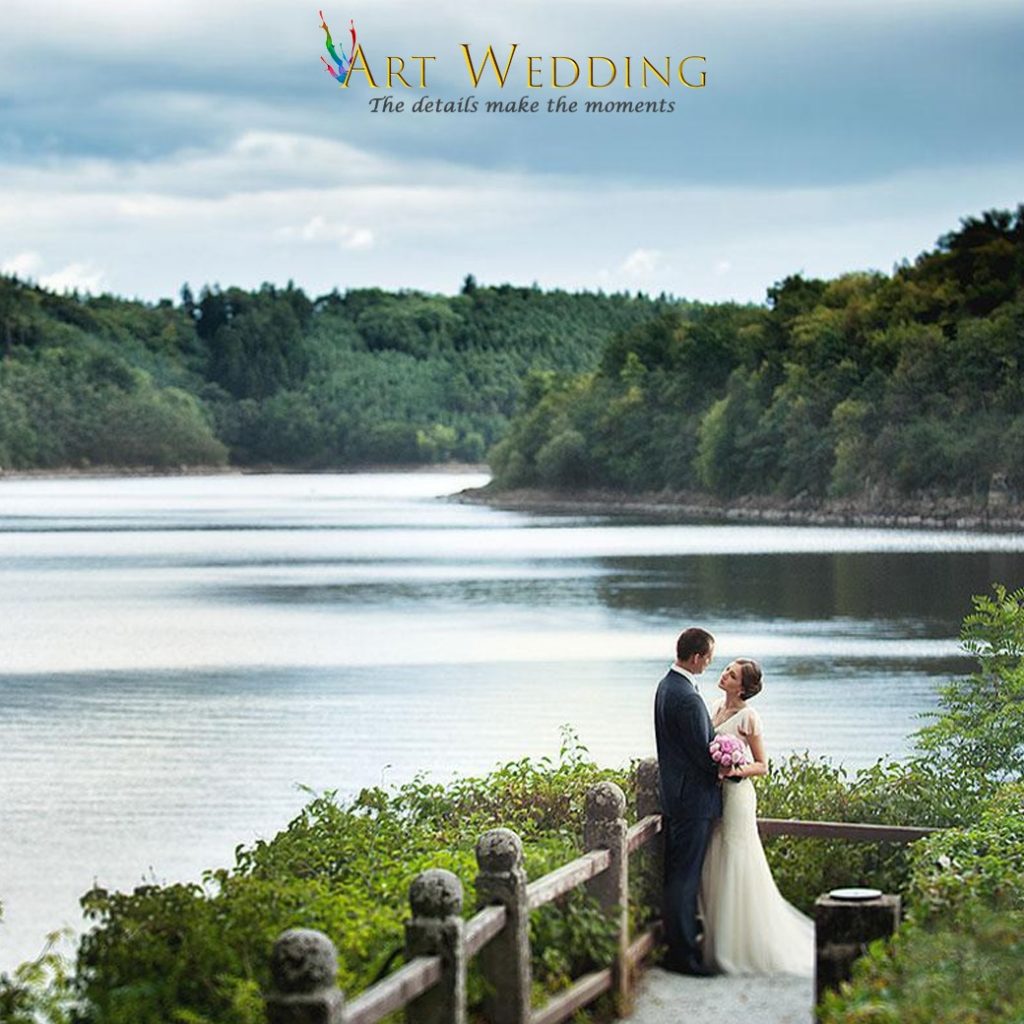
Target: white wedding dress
(748, 927)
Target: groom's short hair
(693, 641)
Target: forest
(868, 385)
(272, 377)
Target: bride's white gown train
(748, 927)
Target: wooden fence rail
(439, 943)
(854, 832)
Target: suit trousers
(686, 841)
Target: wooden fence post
(304, 968)
(652, 863)
(505, 960)
(604, 828)
(437, 929)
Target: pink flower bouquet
(728, 752)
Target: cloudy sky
(150, 143)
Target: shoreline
(999, 516)
(930, 514)
(144, 472)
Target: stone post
(604, 828)
(647, 782)
(998, 493)
(842, 931)
(304, 968)
(437, 928)
(505, 960)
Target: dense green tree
(863, 385)
(347, 379)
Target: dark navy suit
(691, 798)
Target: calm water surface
(178, 656)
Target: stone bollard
(505, 960)
(304, 968)
(604, 828)
(652, 856)
(842, 931)
(437, 928)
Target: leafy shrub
(37, 990)
(345, 868)
(980, 731)
(959, 871)
(938, 977)
(914, 792)
(200, 952)
(957, 958)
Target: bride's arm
(759, 766)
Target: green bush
(979, 733)
(915, 792)
(957, 872)
(938, 977)
(956, 959)
(200, 952)
(38, 990)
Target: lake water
(178, 656)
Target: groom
(691, 794)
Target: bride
(748, 927)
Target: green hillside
(868, 385)
(274, 376)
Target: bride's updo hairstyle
(750, 678)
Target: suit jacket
(682, 726)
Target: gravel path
(664, 998)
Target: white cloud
(24, 265)
(319, 229)
(83, 277)
(326, 214)
(642, 263)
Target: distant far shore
(922, 513)
(104, 472)
(936, 513)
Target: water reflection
(913, 592)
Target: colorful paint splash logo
(340, 72)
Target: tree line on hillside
(274, 376)
(867, 385)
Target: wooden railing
(854, 832)
(431, 986)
